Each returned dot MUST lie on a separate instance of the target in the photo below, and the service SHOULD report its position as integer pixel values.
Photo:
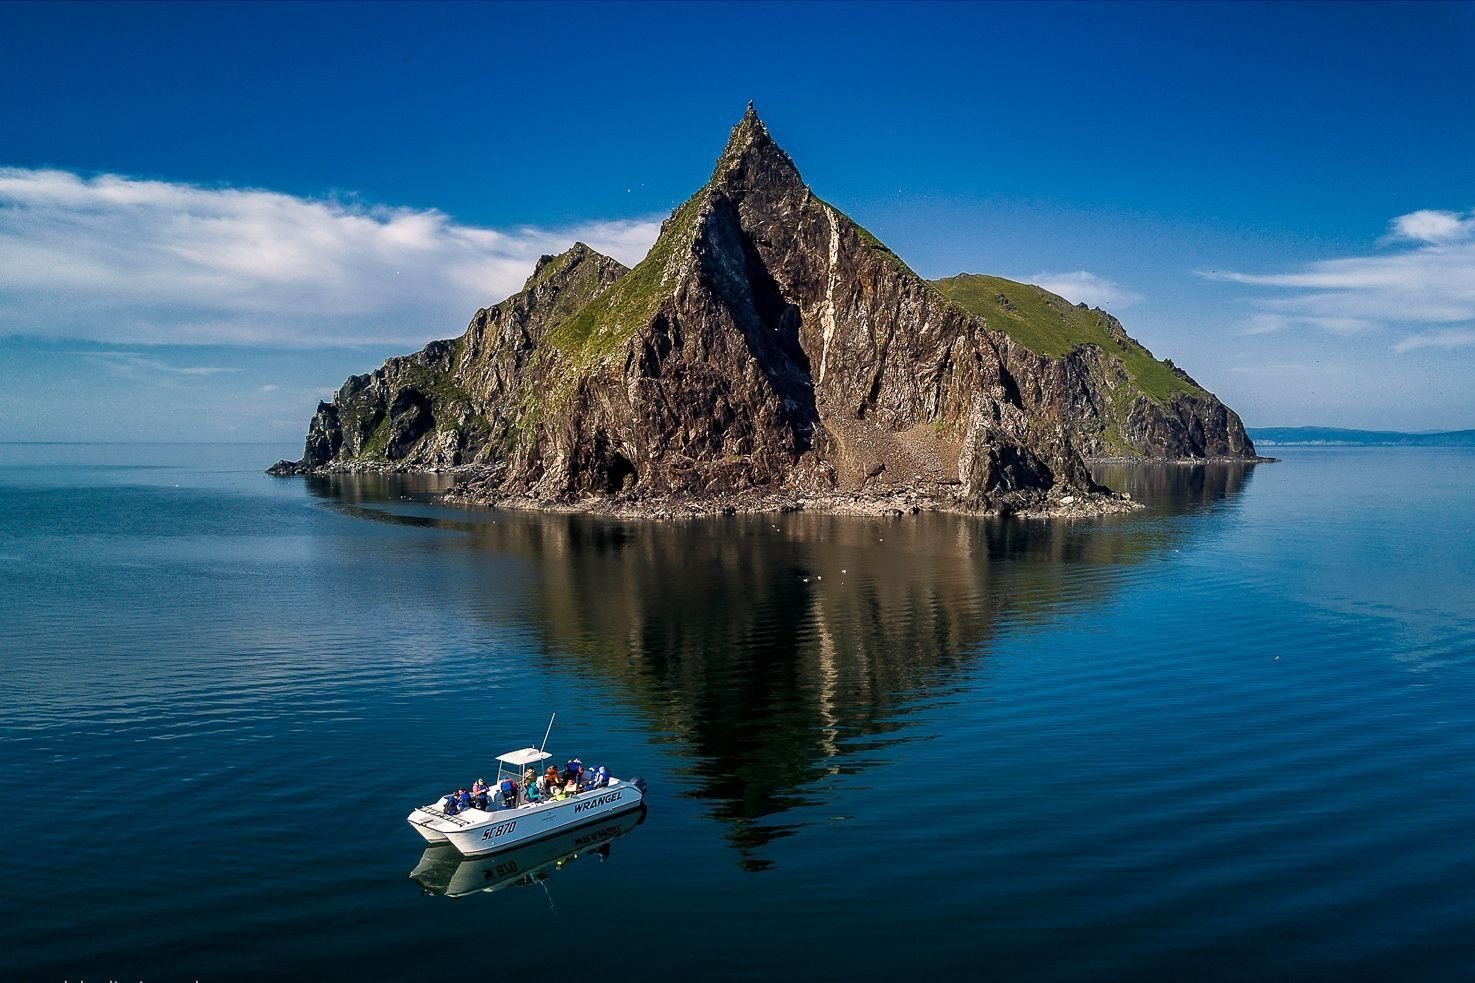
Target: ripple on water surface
(1225, 736)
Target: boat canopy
(521, 759)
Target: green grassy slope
(599, 327)
(1051, 325)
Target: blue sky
(210, 215)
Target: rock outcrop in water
(770, 353)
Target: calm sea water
(1230, 736)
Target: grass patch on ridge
(601, 326)
(1050, 325)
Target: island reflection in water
(780, 649)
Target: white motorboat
(513, 816)
(447, 872)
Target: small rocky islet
(770, 354)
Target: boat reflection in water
(444, 871)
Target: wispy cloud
(131, 364)
(1265, 322)
(1431, 281)
(1085, 287)
(1448, 338)
(128, 261)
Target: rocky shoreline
(293, 469)
(1183, 461)
(892, 503)
(889, 501)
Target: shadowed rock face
(1095, 398)
(448, 404)
(1086, 374)
(767, 345)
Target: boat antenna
(547, 732)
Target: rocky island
(769, 353)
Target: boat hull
(447, 872)
(420, 821)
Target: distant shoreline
(1339, 437)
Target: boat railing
(435, 810)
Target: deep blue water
(1229, 736)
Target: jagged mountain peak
(565, 262)
(749, 127)
(752, 159)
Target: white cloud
(128, 261)
(1448, 338)
(1428, 225)
(1084, 287)
(1432, 282)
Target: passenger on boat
(509, 793)
(573, 773)
(551, 779)
(463, 799)
(601, 777)
(531, 781)
(479, 794)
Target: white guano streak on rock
(834, 277)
